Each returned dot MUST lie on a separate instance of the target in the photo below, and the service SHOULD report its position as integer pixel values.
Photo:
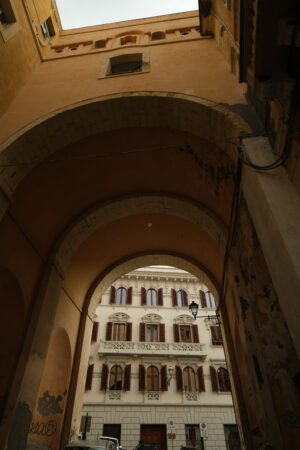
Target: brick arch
(40, 139)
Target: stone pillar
(274, 206)
(35, 348)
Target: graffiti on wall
(44, 428)
(49, 404)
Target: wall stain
(18, 434)
(49, 404)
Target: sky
(83, 13)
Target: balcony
(179, 349)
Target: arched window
(189, 379)
(121, 296)
(210, 300)
(182, 298)
(152, 379)
(115, 378)
(151, 297)
(223, 380)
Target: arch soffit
(86, 225)
(105, 280)
(47, 135)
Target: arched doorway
(126, 184)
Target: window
(207, 299)
(120, 296)
(223, 380)
(128, 40)
(186, 333)
(95, 332)
(186, 380)
(116, 331)
(48, 28)
(152, 332)
(85, 423)
(158, 35)
(179, 298)
(152, 379)
(112, 430)
(89, 377)
(216, 335)
(232, 437)
(115, 378)
(151, 297)
(192, 435)
(125, 63)
(100, 44)
(9, 25)
(189, 379)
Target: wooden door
(154, 434)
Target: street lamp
(194, 310)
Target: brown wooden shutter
(95, 332)
(214, 380)
(160, 301)
(184, 298)
(164, 378)
(129, 296)
(216, 335)
(108, 331)
(176, 333)
(112, 298)
(142, 377)
(142, 332)
(85, 424)
(89, 377)
(174, 297)
(195, 333)
(203, 299)
(127, 377)
(201, 383)
(213, 335)
(128, 331)
(104, 377)
(162, 337)
(179, 379)
(219, 334)
(143, 296)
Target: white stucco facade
(175, 381)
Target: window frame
(125, 56)
(184, 327)
(116, 326)
(188, 388)
(118, 370)
(154, 379)
(122, 296)
(152, 302)
(12, 25)
(182, 298)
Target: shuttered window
(127, 378)
(118, 331)
(182, 299)
(152, 379)
(89, 377)
(151, 297)
(104, 377)
(164, 378)
(186, 333)
(179, 380)
(121, 296)
(201, 382)
(95, 332)
(223, 379)
(207, 299)
(214, 380)
(115, 378)
(216, 335)
(189, 379)
(152, 332)
(142, 377)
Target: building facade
(154, 372)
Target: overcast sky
(82, 13)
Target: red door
(154, 434)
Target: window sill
(10, 30)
